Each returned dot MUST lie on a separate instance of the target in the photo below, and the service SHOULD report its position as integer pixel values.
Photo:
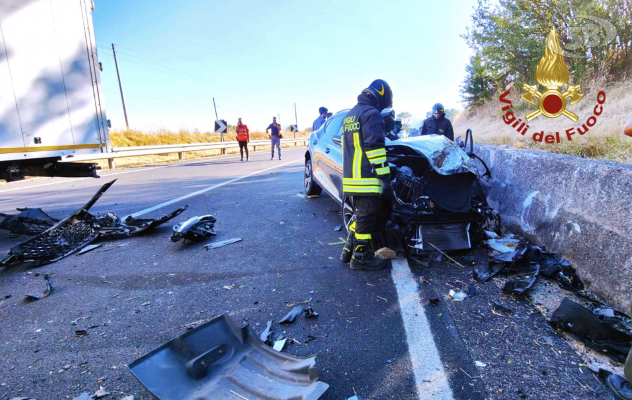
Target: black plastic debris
(310, 338)
(47, 290)
(111, 227)
(137, 226)
(266, 335)
(310, 313)
(523, 276)
(486, 270)
(30, 221)
(61, 240)
(88, 248)
(603, 335)
(194, 229)
(292, 315)
(219, 360)
(223, 243)
(434, 301)
(501, 307)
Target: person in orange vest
(243, 137)
(627, 129)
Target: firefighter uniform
(366, 174)
(243, 137)
(437, 126)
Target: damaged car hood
(443, 155)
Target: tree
(479, 84)
(405, 117)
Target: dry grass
(604, 141)
(136, 138)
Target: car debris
(524, 275)
(30, 221)
(486, 270)
(310, 338)
(611, 336)
(480, 364)
(266, 335)
(310, 313)
(385, 254)
(292, 315)
(457, 296)
(499, 306)
(279, 345)
(74, 233)
(137, 226)
(47, 290)
(88, 248)
(223, 243)
(194, 229)
(219, 360)
(232, 287)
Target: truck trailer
(51, 101)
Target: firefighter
(438, 123)
(243, 137)
(366, 175)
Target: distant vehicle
(439, 200)
(51, 102)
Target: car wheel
(347, 212)
(311, 187)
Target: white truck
(51, 101)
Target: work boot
(247, 157)
(272, 158)
(242, 159)
(621, 387)
(279, 158)
(347, 251)
(363, 257)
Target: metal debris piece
(218, 359)
(485, 270)
(503, 245)
(310, 338)
(279, 345)
(266, 335)
(292, 315)
(524, 275)
(47, 291)
(310, 313)
(231, 287)
(111, 227)
(223, 243)
(137, 226)
(194, 229)
(604, 336)
(101, 393)
(338, 228)
(62, 239)
(457, 296)
(30, 221)
(499, 306)
(22, 398)
(480, 364)
(88, 248)
(81, 332)
(385, 254)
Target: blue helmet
(382, 92)
(438, 108)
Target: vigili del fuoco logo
(552, 73)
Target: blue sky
(259, 57)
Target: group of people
(243, 137)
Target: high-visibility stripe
(6, 150)
(357, 155)
(356, 189)
(383, 171)
(376, 152)
(380, 160)
(361, 181)
(352, 226)
(363, 236)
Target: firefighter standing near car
(437, 123)
(243, 137)
(366, 175)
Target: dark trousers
(242, 146)
(366, 212)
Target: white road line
(430, 377)
(228, 182)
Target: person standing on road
(366, 174)
(621, 386)
(437, 123)
(243, 137)
(275, 136)
(320, 120)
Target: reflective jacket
(363, 152)
(243, 133)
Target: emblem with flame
(552, 73)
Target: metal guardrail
(138, 151)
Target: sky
(259, 58)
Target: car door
(327, 163)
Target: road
(376, 335)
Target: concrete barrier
(576, 207)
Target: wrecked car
(439, 200)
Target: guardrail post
(254, 148)
(180, 157)
(111, 163)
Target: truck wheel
(311, 187)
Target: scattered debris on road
(88, 248)
(209, 361)
(310, 313)
(279, 345)
(47, 290)
(292, 315)
(232, 287)
(30, 221)
(223, 243)
(266, 335)
(457, 296)
(194, 229)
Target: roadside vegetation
(508, 37)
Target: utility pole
(296, 120)
(120, 86)
(221, 134)
(215, 107)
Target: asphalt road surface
(377, 335)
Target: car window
(333, 126)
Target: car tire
(309, 184)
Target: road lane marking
(208, 189)
(430, 376)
